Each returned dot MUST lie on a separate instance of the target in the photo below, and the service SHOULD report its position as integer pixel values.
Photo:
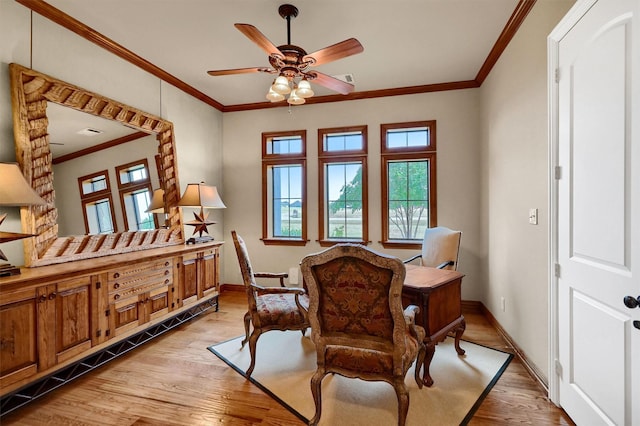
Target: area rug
(287, 360)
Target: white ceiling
(406, 42)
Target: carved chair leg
(253, 341)
(403, 400)
(316, 387)
(419, 365)
(247, 321)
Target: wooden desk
(438, 294)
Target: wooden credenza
(54, 316)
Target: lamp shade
(274, 96)
(157, 202)
(294, 99)
(304, 89)
(14, 189)
(201, 195)
(281, 85)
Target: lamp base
(7, 270)
(202, 239)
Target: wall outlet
(502, 304)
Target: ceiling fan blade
(334, 52)
(258, 38)
(332, 83)
(238, 71)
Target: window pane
(343, 183)
(343, 142)
(408, 199)
(285, 145)
(132, 174)
(286, 200)
(99, 217)
(403, 138)
(135, 204)
(94, 184)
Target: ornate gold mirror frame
(30, 92)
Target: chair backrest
(355, 298)
(245, 268)
(440, 245)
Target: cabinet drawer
(140, 276)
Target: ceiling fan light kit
(291, 63)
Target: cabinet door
(73, 317)
(189, 278)
(208, 273)
(18, 336)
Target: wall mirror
(31, 93)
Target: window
(284, 203)
(343, 185)
(134, 187)
(408, 182)
(95, 195)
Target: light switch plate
(533, 216)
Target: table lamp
(205, 197)
(14, 192)
(157, 205)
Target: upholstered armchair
(269, 308)
(357, 322)
(440, 248)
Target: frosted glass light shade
(294, 99)
(274, 96)
(304, 89)
(281, 85)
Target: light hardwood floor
(175, 380)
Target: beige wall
(62, 54)
(514, 179)
(458, 168)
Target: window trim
(269, 160)
(331, 157)
(388, 155)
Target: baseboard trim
(531, 368)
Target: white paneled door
(597, 282)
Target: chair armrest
(410, 313)
(417, 256)
(281, 276)
(278, 290)
(445, 264)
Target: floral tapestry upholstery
(280, 309)
(358, 325)
(353, 297)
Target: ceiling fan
(291, 63)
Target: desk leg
(459, 331)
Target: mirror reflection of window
(95, 194)
(134, 187)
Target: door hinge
(106, 313)
(558, 367)
(557, 172)
(98, 333)
(556, 270)
(98, 285)
(107, 333)
(557, 75)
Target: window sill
(402, 244)
(284, 241)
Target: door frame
(577, 11)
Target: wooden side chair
(440, 248)
(357, 322)
(269, 308)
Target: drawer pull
(116, 275)
(166, 263)
(42, 299)
(116, 296)
(116, 285)
(166, 281)
(167, 272)
(52, 296)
